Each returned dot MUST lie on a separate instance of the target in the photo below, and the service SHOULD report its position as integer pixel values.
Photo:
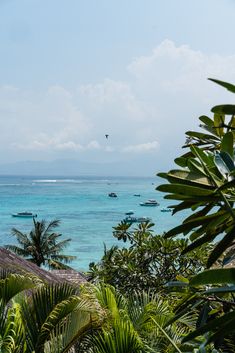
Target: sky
(72, 71)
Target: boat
(150, 202)
(138, 195)
(129, 213)
(112, 194)
(165, 209)
(132, 219)
(24, 215)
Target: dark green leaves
(227, 85)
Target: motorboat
(133, 219)
(129, 213)
(150, 202)
(112, 194)
(138, 195)
(24, 214)
(165, 209)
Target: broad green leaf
(203, 157)
(162, 175)
(202, 212)
(181, 161)
(227, 160)
(219, 123)
(227, 143)
(185, 189)
(203, 240)
(227, 109)
(222, 165)
(189, 178)
(206, 120)
(214, 276)
(221, 247)
(201, 135)
(190, 225)
(211, 326)
(196, 167)
(226, 289)
(181, 206)
(223, 330)
(227, 85)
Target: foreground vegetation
(159, 294)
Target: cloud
(160, 98)
(143, 147)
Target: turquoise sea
(87, 213)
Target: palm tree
(139, 323)
(43, 318)
(41, 245)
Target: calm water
(82, 204)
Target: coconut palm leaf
(41, 245)
(55, 313)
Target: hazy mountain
(75, 167)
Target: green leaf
(189, 178)
(227, 143)
(201, 135)
(224, 330)
(214, 276)
(227, 289)
(227, 185)
(185, 189)
(206, 120)
(181, 161)
(181, 206)
(222, 165)
(227, 109)
(227, 160)
(203, 157)
(185, 227)
(227, 85)
(203, 240)
(211, 326)
(221, 247)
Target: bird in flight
(106, 136)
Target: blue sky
(72, 71)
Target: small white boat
(24, 215)
(132, 219)
(165, 209)
(150, 202)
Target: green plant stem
(166, 335)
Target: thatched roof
(16, 264)
(70, 275)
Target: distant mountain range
(74, 167)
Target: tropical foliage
(204, 184)
(148, 263)
(137, 323)
(35, 317)
(41, 245)
(38, 317)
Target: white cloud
(162, 96)
(143, 147)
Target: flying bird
(106, 136)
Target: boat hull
(24, 215)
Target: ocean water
(87, 213)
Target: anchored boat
(150, 203)
(24, 214)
